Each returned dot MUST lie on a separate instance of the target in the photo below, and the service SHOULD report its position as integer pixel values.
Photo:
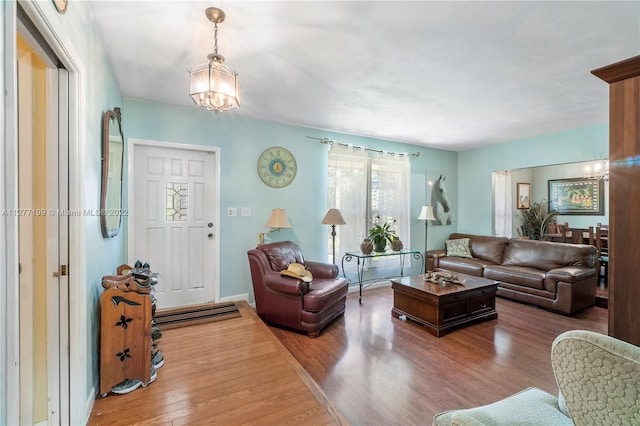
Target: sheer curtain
(390, 176)
(347, 192)
(502, 204)
(367, 191)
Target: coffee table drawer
(454, 311)
(482, 303)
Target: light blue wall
(101, 92)
(476, 165)
(241, 141)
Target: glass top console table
(362, 259)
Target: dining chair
(602, 247)
(578, 235)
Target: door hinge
(62, 273)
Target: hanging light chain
(215, 38)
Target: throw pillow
(459, 248)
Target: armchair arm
(322, 270)
(285, 284)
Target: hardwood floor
(371, 369)
(228, 372)
(379, 370)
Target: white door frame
(131, 143)
(74, 405)
(25, 182)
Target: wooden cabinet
(624, 197)
(125, 338)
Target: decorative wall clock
(277, 167)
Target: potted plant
(536, 220)
(381, 235)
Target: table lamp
(333, 218)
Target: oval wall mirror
(112, 159)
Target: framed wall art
(438, 196)
(523, 195)
(578, 196)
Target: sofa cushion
(547, 255)
(528, 277)
(484, 247)
(460, 247)
(460, 264)
(531, 406)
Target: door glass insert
(177, 201)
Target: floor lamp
(426, 214)
(333, 218)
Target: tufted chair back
(599, 378)
(282, 254)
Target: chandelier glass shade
(597, 170)
(213, 85)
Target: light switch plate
(232, 211)
(246, 211)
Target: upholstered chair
(598, 378)
(289, 301)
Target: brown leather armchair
(291, 302)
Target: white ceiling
(450, 75)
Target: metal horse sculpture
(440, 202)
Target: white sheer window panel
(503, 204)
(347, 191)
(363, 188)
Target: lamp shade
(333, 217)
(214, 86)
(426, 213)
(278, 219)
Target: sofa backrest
(282, 254)
(546, 255)
(485, 247)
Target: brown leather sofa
(555, 276)
(291, 302)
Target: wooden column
(624, 197)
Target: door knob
(210, 235)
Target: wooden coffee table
(439, 308)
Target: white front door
(175, 221)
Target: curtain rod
(330, 142)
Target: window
(368, 189)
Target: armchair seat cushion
(323, 293)
(531, 406)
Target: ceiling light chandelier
(214, 85)
(598, 170)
